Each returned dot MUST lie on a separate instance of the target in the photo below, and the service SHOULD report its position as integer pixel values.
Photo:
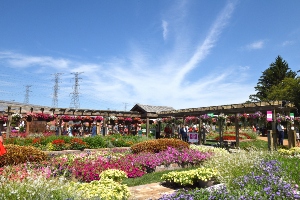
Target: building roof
(148, 108)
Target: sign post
(193, 137)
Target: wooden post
(293, 134)
(8, 123)
(147, 126)
(237, 130)
(159, 128)
(98, 128)
(104, 126)
(274, 132)
(27, 127)
(200, 133)
(270, 140)
(220, 132)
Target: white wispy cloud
(204, 49)
(140, 78)
(164, 26)
(288, 42)
(20, 60)
(256, 45)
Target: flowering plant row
(88, 167)
(283, 118)
(243, 117)
(191, 177)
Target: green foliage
(289, 90)
(153, 177)
(191, 177)
(95, 142)
(254, 144)
(113, 174)
(103, 189)
(19, 141)
(278, 71)
(36, 188)
(21, 154)
(290, 165)
(158, 145)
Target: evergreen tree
(288, 90)
(274, 75)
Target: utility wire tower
(27, 90)
(55, 90)
(125, 106)
(75, 94)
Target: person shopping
(183, 133)
(280, 129)
(297, 136)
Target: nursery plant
(191, 177)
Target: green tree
(288, 89)
(272, 76)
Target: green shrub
(21, 154)
(95, 142)
(158, 145)
(19, 141)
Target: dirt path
(265, 138)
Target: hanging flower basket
(65, 118)
(120, 120)
(3, 119)
(137, 120)
(76, 118)
(16, 118)
(88, 119)
(98, 118)
(29, 118)
(128, 120)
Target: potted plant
(29, 117)
(65, 118)
(128, 120)
(3, 119)
(98, 118)
(88, 119)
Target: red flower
(58, 142)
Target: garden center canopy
(147, 111)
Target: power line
(26, 99)
(75, 94)
(125, 105)
(55, 90)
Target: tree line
(278, 83)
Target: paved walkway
(149, 192)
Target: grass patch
(256, 144)
(151, 177)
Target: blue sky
(183, 54)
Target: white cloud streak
(204, 49)
(142, 79)
(256, 45)
(165, 29)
